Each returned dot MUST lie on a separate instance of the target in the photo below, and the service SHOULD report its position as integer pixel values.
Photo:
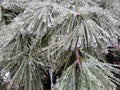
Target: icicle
(51, 78)
(0, 14)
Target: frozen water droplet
(6, 78)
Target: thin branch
(77, 54)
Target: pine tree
(58, 44)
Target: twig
(77, 54)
